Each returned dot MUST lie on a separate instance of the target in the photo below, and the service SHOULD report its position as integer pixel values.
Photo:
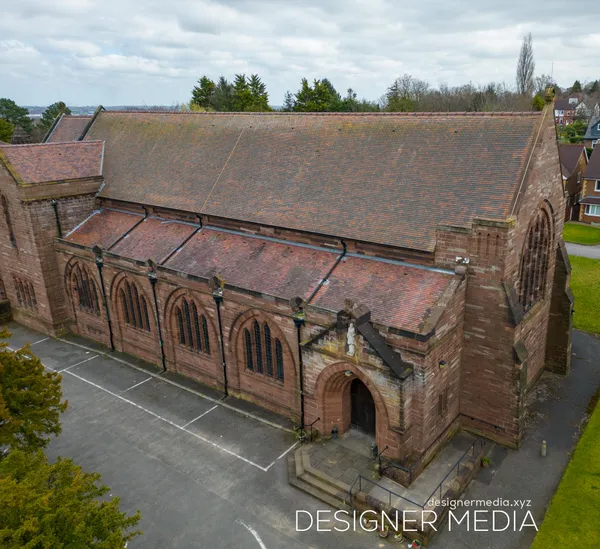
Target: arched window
(534, 263)
(268, 349)
(11, 234)
(258, 343)
(180, 325)
(254, 340)
(249, 354)
(135, 308)
(25, 293)
(192, 327)
(85, 288)
(279, 359)
(206, 338)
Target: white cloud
(146, 51)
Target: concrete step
(309, 470)
(310, 484)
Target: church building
(399, 273)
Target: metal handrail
(456, 466)
(391, 493)
(311, 428)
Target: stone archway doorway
(362, 408)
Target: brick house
(592, 134)
(590, 211)
(565, 110)
(573, 160)
(400, 273)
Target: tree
(594, 86)
(30, 399)
(576, 87)
(58, 505)
(203, 93)
(223, 96)
(17, 116)
(259, 97)
(242, 96)
(320, 97)
(6, 130)
(52, 113)
(538, 103)
(525, 67)
(288, 102)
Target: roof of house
(385, 178)
(397, 294)
(593, 129)
(592, 170)
(570, 153)
(42, 162)
(68, 128)
(564, 105)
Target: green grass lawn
(581, 234)
(573, 518)
(585, 283)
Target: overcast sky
(118, 52)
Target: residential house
(592, 134)
(590, 213)
(573, 161)
(566, 111)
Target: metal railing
(470, 453)
(311, 428)
(456, 468)
(360, 479)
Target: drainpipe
(153, 278)
(100, 265)
(299, 321)
(218, 297)
(55, 206)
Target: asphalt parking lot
(203, 472)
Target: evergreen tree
(288, 102)
(320, 97)
(17, 116)
(260, 98)
(52, 113)
(594, 86)
(58, 505)
(203, 93)
(223, 96)
(6, 130)
(242, 96)
(576, 87)
(30, 399)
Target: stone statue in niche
(350, 340)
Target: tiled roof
(592, 170)
(103, 228)
(273, 268)
(387, 178)
(41, 162)
(563, 105)
(68, 128)
(153, 239)
(569, 156)
(397, 295)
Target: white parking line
(86, 360)
(40, 341)
(201, 415)
(265, 469)
(137, 385)
(253, 532)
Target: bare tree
(525, 67)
